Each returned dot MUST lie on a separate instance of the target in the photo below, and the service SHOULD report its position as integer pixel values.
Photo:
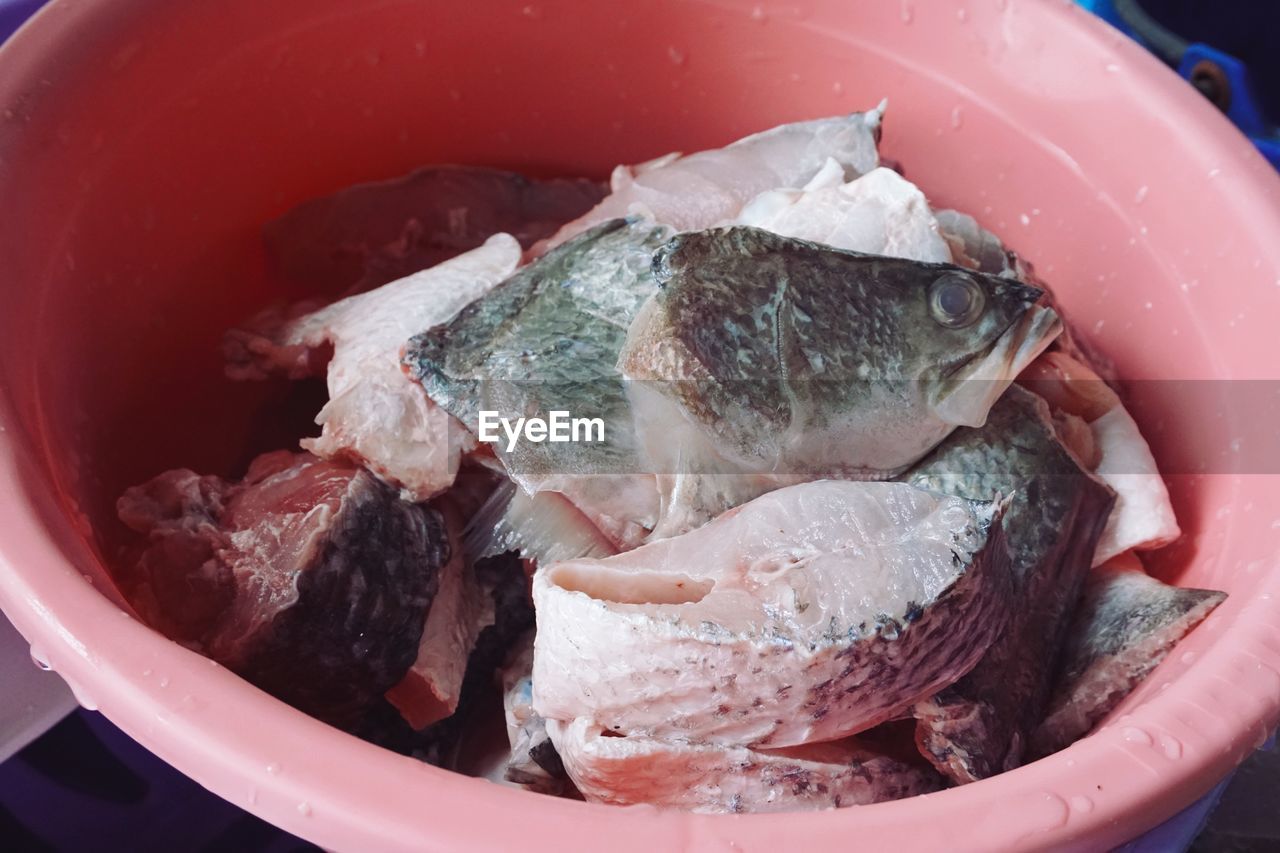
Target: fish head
(976, 332)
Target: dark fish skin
(1125, 626)
(351, 636)
(325, 576)
(980, 725)
(548, 338)
(789, 344)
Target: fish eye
(956, 300)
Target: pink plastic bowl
(143, 143)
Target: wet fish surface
(1125, 626)
(981, 725)
(778, 360)
(376, 414)
(808, 614)
(710, 187)
(319, 576)
(548, 339)
(736, 779)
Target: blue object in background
(1226, 49)
(13, 13)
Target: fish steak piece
(808, 614)
(321, 574)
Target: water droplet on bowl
(1051, 811)
(304, 809)
(907, 12)
(1188, 657)
(1171, 747)
(1081, 803)
(164, 681)
(273, 768)
(758, 14)
(957, 117)
(676, 55)
(1141, 195)
(962, 14)
(531, 12)
(1133, 734)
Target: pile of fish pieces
(735, 610)
(336, 578)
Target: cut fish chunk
(880, 213)
(980, 726)
(808, 614)
(1143, 516)
(707, 778)
(547, 339)
(369, 234)
(1124, 628)
(710, 187)
(770, 358)
(324, 573)
(375, 413)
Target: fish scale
(980, 725)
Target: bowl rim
(134, 674)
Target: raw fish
(880, 213)
(808, 614)
(710, 187)
(375, 413)
(1143, 516)
(1126, 624)
(547, 339)
(534, 763)
(318, 576)
(765, 360)
(707, 778)
(980, 725)
(461, 609)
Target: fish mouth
(972, 385)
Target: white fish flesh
(808, 614)
(704, 189)
(375, 413)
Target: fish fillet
(323, 576)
